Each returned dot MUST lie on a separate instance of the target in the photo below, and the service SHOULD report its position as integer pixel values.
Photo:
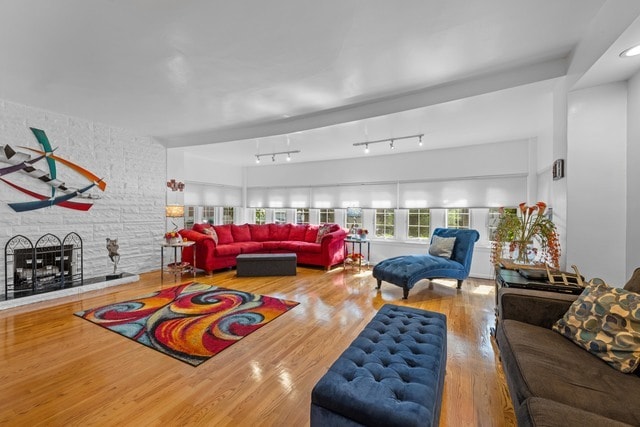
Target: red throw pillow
(322, 231)
(312, 234)
(224, 234)
(241, 233)
(279, 231)
(297, 233)
(259, 232)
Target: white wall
(633, 176)
(596, 182)
(131, 209)
(503, 158)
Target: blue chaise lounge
(406, 270)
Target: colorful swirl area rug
(191, 322)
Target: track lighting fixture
(273, 155)
(391, 141)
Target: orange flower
(542, 206)
(523, 207)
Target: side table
(177, 268)
(361, 259)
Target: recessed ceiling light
(632, 51)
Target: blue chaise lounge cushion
(406, 270)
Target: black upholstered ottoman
(392, 374)
(253, 265)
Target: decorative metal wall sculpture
(23, 162)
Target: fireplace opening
(49, 265)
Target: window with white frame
(458, 218)
(302, 216)
(354, 218)
(280, 216)
(227, 215)
(189, 216)
(385, 223)
(492, 220)
(418, 224)
(327, 216)
(260, 216)
(209, 214)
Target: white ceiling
(232, 79)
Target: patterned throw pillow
(442, 246)
(606, 322)
(211, 233)
(323, 231)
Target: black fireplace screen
(48, 265)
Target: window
(261, 216)
(189, 216)
(302, 216)
(458, 218)
(354, 218)
(492, 220)
(385, 223)
(327, 216)
(280, 216)
(419, 224)
(227, 215)
(209, 214)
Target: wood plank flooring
(59, 370)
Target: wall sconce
(175, 186)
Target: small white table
(177, 268)
(361, 259)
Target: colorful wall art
(23, 162)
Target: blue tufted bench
(392, 374)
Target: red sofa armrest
(332, 247)
(205, 247)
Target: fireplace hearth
(48, 265)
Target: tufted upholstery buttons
(391, 374)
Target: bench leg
(379, 283)
(459, 284)
(405, 293)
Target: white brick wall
(131, 208)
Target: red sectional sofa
(233, 240)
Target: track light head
(393, 147)
(366, 148)
(257, 159)
(273, 157)
(288, 157)
(420, 141)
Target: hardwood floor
(57, 369)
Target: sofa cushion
(273, 245)
(633, 284)
(312, 234)
(241, 233)
(249, 247)
(322, 231)
(228, 249)
(279, 231)
(259, 232)
(224, 234)
(442, 246)
(314, 248)
(606, 322)
(297, 232)
(547, 413)
(541, 363)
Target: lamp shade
(174, 211)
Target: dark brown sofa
(552, 381)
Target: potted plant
(522, 230)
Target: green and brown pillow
(606, 322)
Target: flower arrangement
(362, 233)
(172, 236)
(519, 230)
